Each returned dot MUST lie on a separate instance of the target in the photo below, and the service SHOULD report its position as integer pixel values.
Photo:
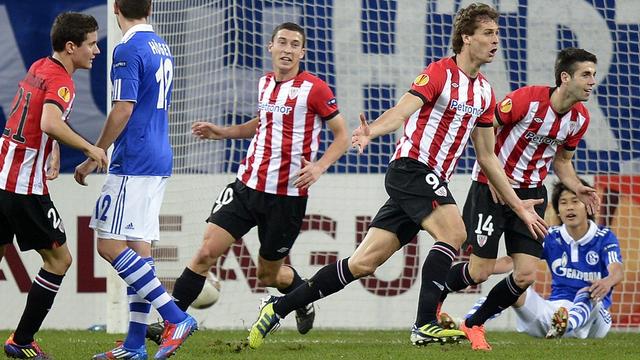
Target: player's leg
(131, 214)
(377, 246)
(230, 219)
(601, 324)
(279, 222)
(533, 313)
(578, 317)
(484, 225)
(37, 226)
(445, 225)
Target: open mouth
(493, 52)
(571, 216)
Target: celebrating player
(272, 183)
(537, 126)
(448, 102)
(126, 213)
(29, 156)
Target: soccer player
(536, 126)
(273, 181)
(126, 213)
(448, 102)
(29, 156)
(585, 264)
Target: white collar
(134, 29)
(591, 232)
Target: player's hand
(599, 289)
(494, 193)
(527, 212)
(83, 170)
(53, 168)
(99, 156)
(589, 198)
(360, 136)
(205, 130)
(308, 175)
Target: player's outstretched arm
(483, 142)
(563, 167)
(388, 122)
(52, 124)
(311, 171)
(206, 130)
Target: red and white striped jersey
(291, 116)
(24, 148)
(531, 134)
(454, 104)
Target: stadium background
(369, 52)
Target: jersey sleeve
(513, 107)
(574, 139)
(60, 92)
(429, 84)
(610, 252)
(125, 73)
(486, 119)
(323, 102)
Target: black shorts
(279, 218)
(414, 192)
(486, 221)
(33, 219)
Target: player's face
(583, 80)
(286, 51)
(572, 211)
(483, 44)
(84, 54)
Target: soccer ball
(210, 293)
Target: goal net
(369, 52)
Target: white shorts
(534, 317)
(129, 208)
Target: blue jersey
(574, 264)
(142, 72)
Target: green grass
(339, 344)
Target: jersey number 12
(164, 77)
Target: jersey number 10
(164, 77)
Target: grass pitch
(340, 344)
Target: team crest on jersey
(482, 239)
(572, 126)
(293, 92)
(421, 80)
(505, 105)
(592, 258)
(64, 93)
(538, 120)
(442, 191)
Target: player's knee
(206, 255)
(524, 279)
(267, 278)
(361, 267)
(59, 264)
(480, 274)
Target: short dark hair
(567, 59)
(134, 9)
(558, 188)
(71, 26)
(291, 27)
(466, 22)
